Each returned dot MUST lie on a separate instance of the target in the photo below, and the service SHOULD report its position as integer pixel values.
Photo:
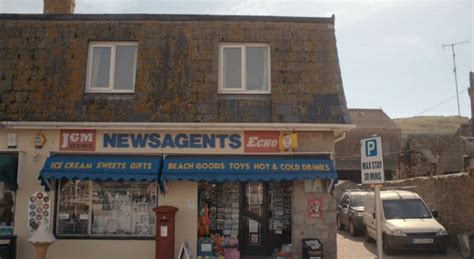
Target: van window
(405, 209)
(357, 200)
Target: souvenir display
(219, 214)
(280, 206)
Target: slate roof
(371, 118)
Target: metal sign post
(372, 172)
(378, 221)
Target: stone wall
(452, 195)
(43, 60)
(419, 154)
(304, 227)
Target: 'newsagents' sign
(371, 161)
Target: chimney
(59, 6)
(471, 95)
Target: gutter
(337, 128)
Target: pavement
(349, 247)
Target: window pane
(123, 208)
(73, 212)
(232, 65)
(257, 68)
(100, 67)
(125, 67)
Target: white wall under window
(111, 67)
(244, 68)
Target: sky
(389, 50)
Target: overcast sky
(390, 51)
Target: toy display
(218, 219)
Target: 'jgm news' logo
(371, 148)
(77, 140)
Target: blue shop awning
(101, 167)
(250, 168)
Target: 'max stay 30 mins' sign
(371, 161)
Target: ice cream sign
(175, 141)
(39, 211)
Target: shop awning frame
(100, 168)
(246, 168)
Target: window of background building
(244, 68)
(106, 209)
(111, 67)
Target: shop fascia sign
(234, 142)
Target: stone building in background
(420, 153)
(368, 122)
(144, 96)
(459, 154)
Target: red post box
(165, 220)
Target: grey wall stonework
(43, 60)
(303, 227)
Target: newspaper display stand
(312, 248)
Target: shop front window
(106, 209)
(7, 208)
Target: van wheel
(340, 226)
(352, 229)
(368, 239)
(386, 247)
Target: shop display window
(7, 209)
(106, 209)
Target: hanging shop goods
(222, 227)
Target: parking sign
(371, 161)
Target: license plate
(423, 241)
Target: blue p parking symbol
(371, 148)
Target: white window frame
(243, 76)
(110, 88)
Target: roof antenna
(454, 68)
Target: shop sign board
(236, 142)
(372, 171)
(247, 165)
(315, 208)
(102, 164)
(77, 140)
(269, 141)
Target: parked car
(407, 223)
(350, 211)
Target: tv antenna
(454, 67)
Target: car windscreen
(405, 209)
(357, 200)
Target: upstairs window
(111, 67)
(244, 68)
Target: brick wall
(452, 195)
(43, 63)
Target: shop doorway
(258, 214)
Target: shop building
(231, 119)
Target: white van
(407, 222)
